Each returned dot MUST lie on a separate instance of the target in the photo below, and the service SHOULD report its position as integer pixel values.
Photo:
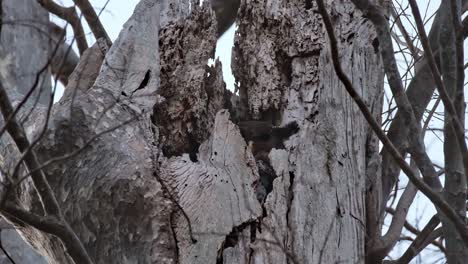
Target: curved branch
(399, 219)
(68, 14)
(93, 20)
(449, 106)
(419, 92)
(416, 232)
(65, 60)
(435, 198)
(426, 236)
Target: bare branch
(93, 20)
(415, 52)
(416, 144)
(21, 217)
(438, 201)
(429, 116)
(421, 241)
(416, 231)
(47, 197)
(449, 106)
(419, 92)
(398, 220)
(65, 60)
(68, 14)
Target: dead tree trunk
(24, 50)
(149, 165)
(316, 212)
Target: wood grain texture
(282, 62)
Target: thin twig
(50, 204)
(93, 20)
(420, 242)
(435, 198)
(448, 104)
(416, 232)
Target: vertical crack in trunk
(289, 204)
(290, 196)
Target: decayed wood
(108, 183)
(269, 246)
(107, 190)
(193, 92)
(282, 62)
(217, 192)
(111, 191)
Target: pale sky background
(117, 12)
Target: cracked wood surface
(111, 193)
(282, 62)
(217, 192)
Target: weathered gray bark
(282, 63)
(24, 28)
(178, 182)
